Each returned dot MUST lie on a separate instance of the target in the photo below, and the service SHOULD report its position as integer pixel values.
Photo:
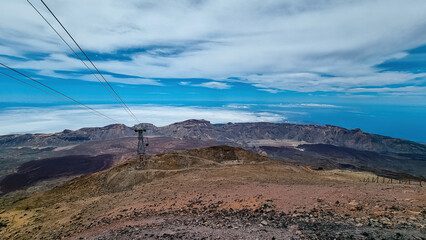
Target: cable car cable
(60, 36)
(70, 98)
(132, 114)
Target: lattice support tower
(142, 144)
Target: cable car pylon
(142, 144)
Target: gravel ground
(208, 222)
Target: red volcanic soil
(34, 171)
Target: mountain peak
(194, 122)
(112, 126)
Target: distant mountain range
(231, 132)
(321, 147)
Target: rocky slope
(67, 137)
(218, 193)
(242, 132)
(62, 163)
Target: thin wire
(60, 36)
(37, 88)
(70, 98)
(48, 93)
(90, 60)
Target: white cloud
(269, 90)
(319, 105)
(216, 85)
(127, 80)
(292, 44)
(305, 105)
(53, 119)
(310, 82)
(240, 106)
(211, 84)
(408, 90)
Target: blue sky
(356, 64)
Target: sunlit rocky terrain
(201, 180)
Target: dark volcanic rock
(38, 170)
